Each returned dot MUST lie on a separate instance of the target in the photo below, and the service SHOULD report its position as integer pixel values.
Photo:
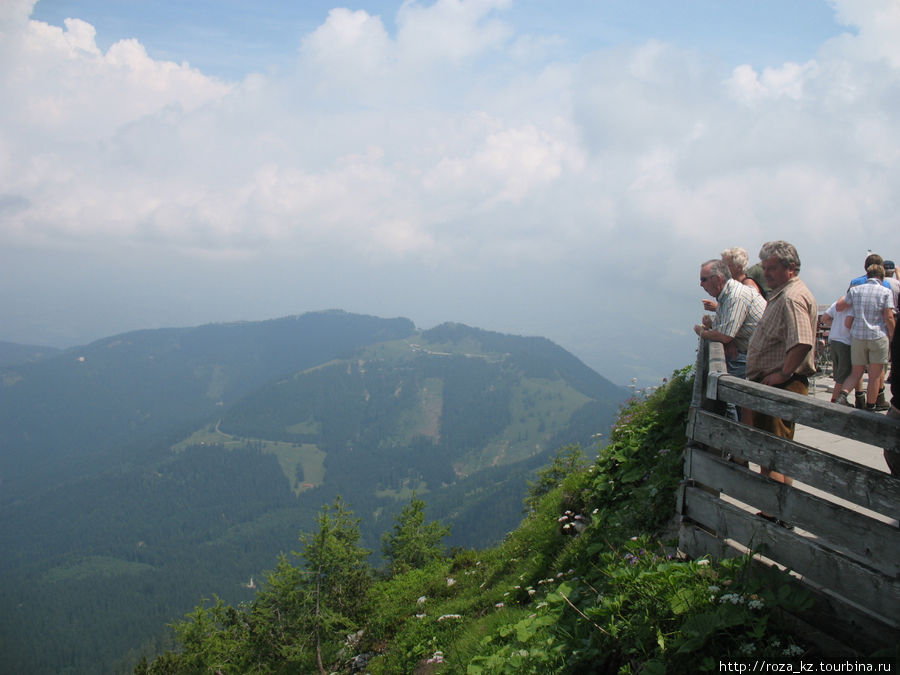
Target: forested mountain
(147, 471)
(12, 354)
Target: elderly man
(781, 351)
(738, 310)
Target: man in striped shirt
(739, 309)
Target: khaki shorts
(864, 352)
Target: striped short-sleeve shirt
(740, 309)
(869, 300)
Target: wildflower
(421, 616)
(747, 648)
(595, 511)
(450, 581)
(498, 605)
(421, 600)
(562, 519)
(540, 604)
(438, 657)
(705, 561)
(756, 604)
(449, 616)
(793, 650)
(531, 591)
(713, 589)
(733, 598)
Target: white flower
(421, 600)
(733, 598)
(713, 589)
(498, 605)
(756, 604)
(450, 581)
(421, 616)
(449, 616)
(748, 648)
(793, 650)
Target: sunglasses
(703, 280)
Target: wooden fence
(843, 547)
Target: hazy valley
(149, 470)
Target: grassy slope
(611, 599)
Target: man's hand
(776, 378)
(710, 305)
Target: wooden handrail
(849, 554)
(858, 425)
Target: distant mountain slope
(12, 354)
(144, 472)
(58, 412)
(441, 404)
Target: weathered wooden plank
(696, 543)
(699, 389)
(862, 485)
(852, 580)
(857, 535)
(859, 425)
(829, 614)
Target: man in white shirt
(839, 343)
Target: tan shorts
(864, 352)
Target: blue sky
(554, 169)
(230, 38)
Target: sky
(554, 169)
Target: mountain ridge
(203, 452)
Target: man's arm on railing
(792, 361)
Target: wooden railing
(845, 545)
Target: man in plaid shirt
(738, 310)
(781, 351)
(871, 329)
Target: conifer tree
(413, 543)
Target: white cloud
(449, 142)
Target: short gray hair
(717, 267)
(736, 256)
(785, 253)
